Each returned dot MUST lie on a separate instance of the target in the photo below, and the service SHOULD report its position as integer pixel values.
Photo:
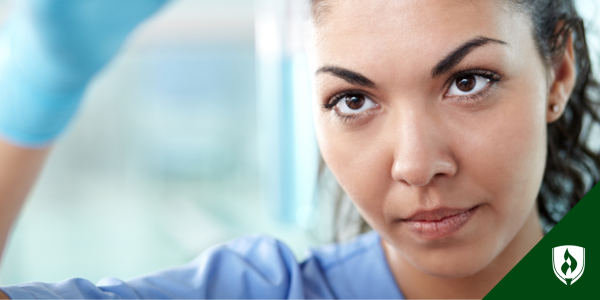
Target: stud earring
(555, 108)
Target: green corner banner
(565, 264)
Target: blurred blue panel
(289, 150)
(200, 107)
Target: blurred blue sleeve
(248, 267)
(49, 51)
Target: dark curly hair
(572, 164)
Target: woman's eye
(353, 104)
(467, 85)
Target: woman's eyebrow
(452, 59)
(446, 64)
(347, 75)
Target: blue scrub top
(254, 266)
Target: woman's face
(432, 117)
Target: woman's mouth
(438, 223)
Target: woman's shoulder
(353, 269)
(262, 249)
(336, 254)
(356, 268)
(349, 269)
(251, 266)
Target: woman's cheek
(506, 153)
(358, 160)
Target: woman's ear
(562, 84)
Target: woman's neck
(416, 284)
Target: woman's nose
(421, 153)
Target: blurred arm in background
(51, 50)
(18, 172)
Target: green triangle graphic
(534, 278)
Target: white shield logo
(568, 263)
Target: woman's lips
(439, 223)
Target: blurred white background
(173, 151)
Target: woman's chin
(452, 271)
(452, 264)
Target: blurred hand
(52, 48)
(68, 41)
